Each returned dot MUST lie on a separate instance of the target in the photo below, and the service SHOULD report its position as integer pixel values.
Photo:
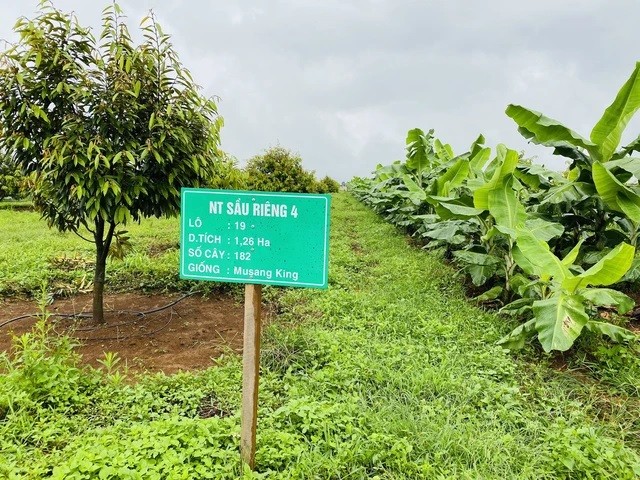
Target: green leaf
(517, 307)
(614, 193)
(628, 164)
(443, 152)
(534, 256)
(448, 208)
(608, 131)
(629, 202)
(543, 229)
(480, 274)
(634, 146)
(419, 146)
(480, 266)
(477, 145)
(417, 193)
(609, 269)
(559, 321)
(443, 231)
(570, 192)
(571, 257)
(490, 294)
(607, 297)
(453, 177)
(524, 262)
(614, 332)
(476, 258)
(515, 340)
(507, 160)
(504, 206)
(542, 130)
(633, 273)
(479, 159)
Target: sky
(341, 82)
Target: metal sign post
(255, 238)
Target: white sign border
(187, 276)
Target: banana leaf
(453, 177)
(546, 131)
(614, 332)
(419, 150)
(491, 294)
(543, 229)
(628, 149)
(559, 321)
(608, 131)
(570, 192)
(507, 160)
(416, 194)
(534, 257)
(615, 194)
(607, 271)
(628, 164)
(453, 208)
(443, 151)
(607, 297)
(515, 340)
(504, 206)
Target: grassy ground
(32, 253)
(390, 374)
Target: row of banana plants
(543, 245)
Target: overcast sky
(340, 82)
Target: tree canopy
(108, 130)
(280, 170)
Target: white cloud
(342, 81)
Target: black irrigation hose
(141, 335)
(88, 315)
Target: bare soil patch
(185, 336)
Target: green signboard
(255, 237)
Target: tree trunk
(102, 251)
(98, 287)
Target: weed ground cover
(31, 253)
(390, 374)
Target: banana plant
(598, 162)
(494, 205)
(605, 137)
(449, 218)
(565, 298)
(610, 181)
(556, 241)
(420, 150)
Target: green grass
(16, 205)
(33, 254)
(390, 374)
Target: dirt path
(185, 336)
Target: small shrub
(279, 170)
(227, 175)
(43, 372)
(328, 185)
(11, 180)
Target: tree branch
(108, 239)
(86, 226)
(84, 238)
